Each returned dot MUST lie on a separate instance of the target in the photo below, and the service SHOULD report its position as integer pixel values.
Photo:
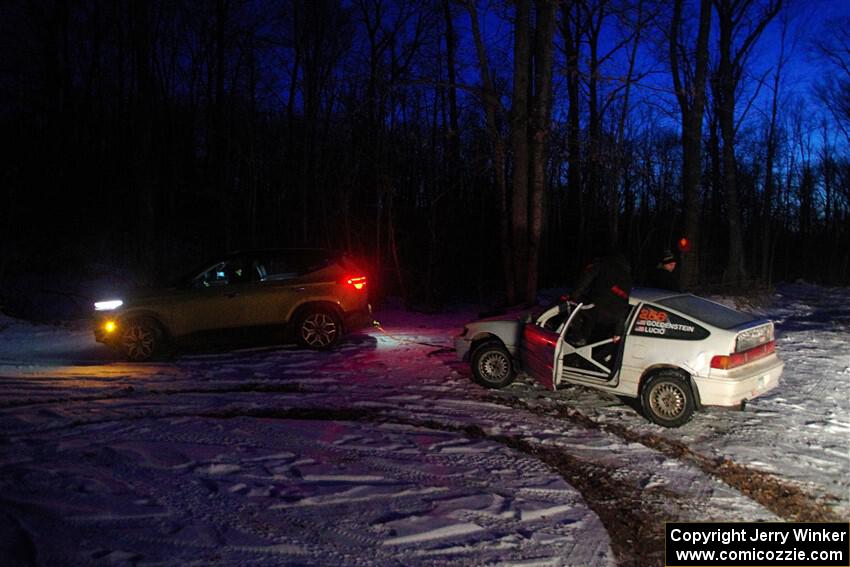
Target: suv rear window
(707, 311)
(295, 263)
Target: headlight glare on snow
(108, 305)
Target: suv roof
(314, 252)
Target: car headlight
(108, 305)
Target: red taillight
(727, 362)
(357, 282)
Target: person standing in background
(665, 276)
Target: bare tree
(770, 159)
(590, 22)
(689, 80)
(733, 17)
(572, 30)
(834, 90)
(639, 19)
(451, 68)
(541, 111)
(492, 111)
(519, 141)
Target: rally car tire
(492, 366)
(667, 399)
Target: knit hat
(667, 257)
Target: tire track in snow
(130, 391)
(632, 515)
(785, 499)
(633, 521)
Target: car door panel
(214, 302)
(207, 310)
(269, 302)
(659, 336)
(539, 353)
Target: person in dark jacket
(605, 283)
(665, 276)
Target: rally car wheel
(492, 366)
(667, 399)
(318, 329)
(141, 339)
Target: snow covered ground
(384, 452)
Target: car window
(213, 276)
(654, 321)
(554, 322)
(192, 276)
(278, 267)
(294, 264)
(704, 310)
(224, 273)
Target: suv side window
(277, 268)
(223, 273)
(293, 264)
(213, 277)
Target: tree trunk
(519, 143)
(491, 109)
(220, 143)
(613, 197)
(143, 136)
(454, 129)
(736, 264)
(692, 105)
(767, 199)
(543, 62)
(593, 189)
(730, 17)
(575, 218)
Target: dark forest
(467, 150)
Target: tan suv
(313, 295)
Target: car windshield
(710, 312)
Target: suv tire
(141, 339)
(318, 328)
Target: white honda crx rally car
(679, 353)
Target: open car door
(596, 362)
(540, 339)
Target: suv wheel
(318, 328)
(141, 339)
